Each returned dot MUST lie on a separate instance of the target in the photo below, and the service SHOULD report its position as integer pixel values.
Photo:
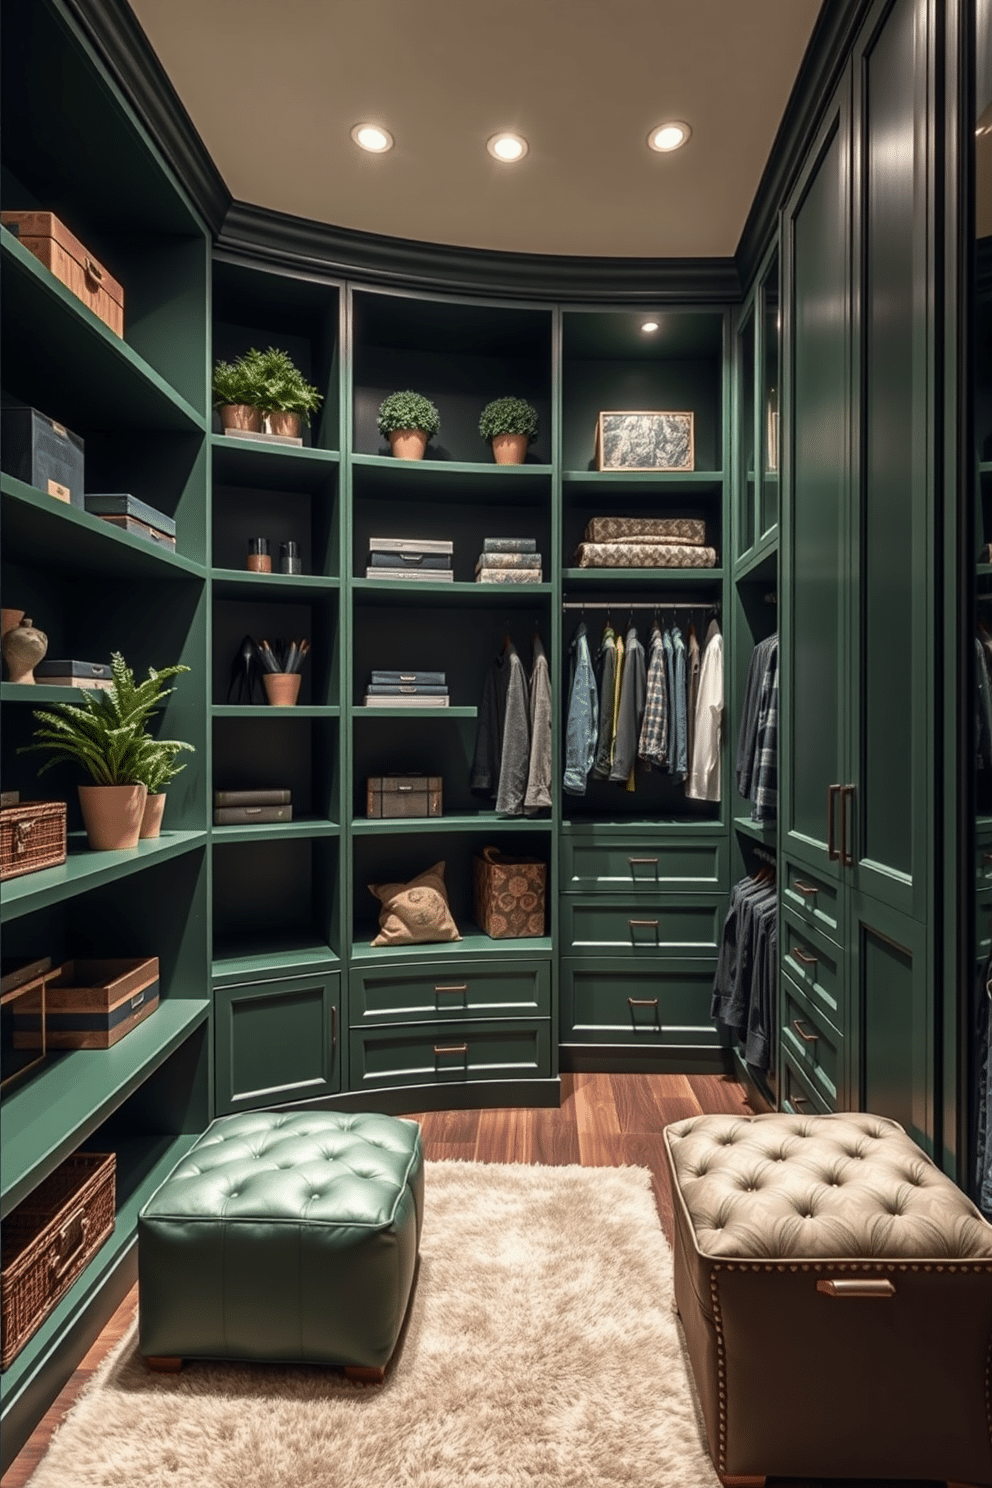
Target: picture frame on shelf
(638, 439)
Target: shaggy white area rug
(542, 1351)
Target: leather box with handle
(403, 795)
(51, 242)
(508, 894)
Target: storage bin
(42, 453)
(51, 242)
(48, 1240)
(32, 837)
(403, 795)
(91, 1004)
(508, 894)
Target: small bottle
(259, 557)
(289, 558)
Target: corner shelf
(760, 563)
(450, 468)
(233, 583)
(84, 869)
(474, 942)
(303, 827)
(378, 591)
(361, 711)
(40, 694)
(257, 464)
(588, 484)
(239, 962)
(764, 832)
(264, 710)
(599, 577)
(99, 369)
(363, 826)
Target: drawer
(276, 1041)
(815, 964)
(616, 865)
(449, 1053)
(611, 1002)
(443, 992)
(813, 1045)
(798, 1095)
(813, 898)
(673, 924)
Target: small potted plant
(409, 420)
(509, 425)
(285, 397)
(237, 387)
(107, 734)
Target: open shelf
(39, 694)
(363, 826)
(243, 961)
(265, 710)
(48, 1115)
(381, 475)
(258, 464)
(305, 827)
(233, 583)
(37, 529)
(631, 577)
(760, 564)
(655, 485)
(765, 832)
(474, 942)
(84, 869)
(372, 591)
(361, 711)
(70, 364)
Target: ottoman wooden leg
(164, 1364)
(364, 1374)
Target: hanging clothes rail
(622, 605)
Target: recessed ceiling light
(507, 148)
(372, 137)
(649, 327)
(669, 136)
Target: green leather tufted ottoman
(836, 1293)
(281, 1236)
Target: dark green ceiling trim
(112, 28)
(270, 239)
(825, 59)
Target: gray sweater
(539, 771)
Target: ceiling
(275, 88)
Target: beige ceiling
(274, 86)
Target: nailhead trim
(721, 1368)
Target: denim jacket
(583, 717)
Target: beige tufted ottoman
(836, 1294)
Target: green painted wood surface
(595, 1007)
(84, 869)
(642, 866)
(425, 825)
(825, 909)
(473, 943)
(642, 927)
(276, 1041)
(290, 955)
(817, 965)
(816, 1047)
(432, 994)
(480, 1050)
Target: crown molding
(113, 30)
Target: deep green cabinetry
(276, 1041)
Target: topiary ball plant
(408, 410)
(508, 416)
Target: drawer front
(814, 899)
(611, 1002)
(814, 1047)
(276, 1042)
(449, 1053)
(445, 992)
(616, 865)
(672, 924)
(798, 1095)
(815, 964)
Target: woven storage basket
(48, 1240)
(508, 894)
(32, 836)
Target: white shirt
(703, 783)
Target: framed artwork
(639, 440)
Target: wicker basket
(48, 1240)
(32, 836)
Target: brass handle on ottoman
(856, 1288)
(807, 890)
(451, 1049)
(642, 1002)
(802, 957)
(807, 1038)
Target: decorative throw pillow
(416, 912)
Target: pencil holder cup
(282, 688)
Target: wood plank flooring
(603, 1121)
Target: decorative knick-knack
(23, 648)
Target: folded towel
(644, 555)
(637, 529)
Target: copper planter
(408, 444)
(282, 688)
(241, 416)
(151, 817)
(285, 425)
(112, 815)
(510, 449)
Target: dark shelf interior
(279, 751)
(309, 517)
(268, 892)
(314, 619)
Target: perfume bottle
(259, 558)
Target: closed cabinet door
(276, 1042)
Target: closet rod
(659, 604)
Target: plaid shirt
(764, 780)
(653, 745)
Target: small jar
(259, 557)
(289, 558)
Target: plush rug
(542, 1349)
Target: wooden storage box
(508, 894)
(32, 837)
(48, 1240)
(403, 795)
(25, 985)
(42, 234)
(91, 1004)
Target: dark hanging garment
(633, 690)
(652, 747)
(606, 674)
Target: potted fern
(408, 420)
(107, 735)
(264, 387)
(509, 425)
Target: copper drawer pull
(807, 1038)
(460, 987)
(635, 861)
(451, 1049)
(334, 1025)
(832, 852)
(643, 924)
(807, 890)
(846, 794)
(799, 1100)
(801, 956)
(642, 1002)
(869, 1287)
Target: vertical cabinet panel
(894, 1041)
(276, 1042)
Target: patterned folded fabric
(643, 555)
(637, 529)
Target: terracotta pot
(408, 444)
(23, 647)
(510, 449)
(112, 815)
(9, 619)
(241, 416)
(282, 688)
(286, 424)
(151, 817)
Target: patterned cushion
(415, 913)
(637, 529)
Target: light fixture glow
(669, 136)
(508, 148)
(372, 137)
(649, 327)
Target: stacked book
(426, 558)
(134, 517)
(247, 808)
(509, 560)
(407, 690)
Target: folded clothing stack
(426, 558)
(509, 560)
(645, 542)
(245, 808)
(55, 672)
(134, 517)
(407, 690)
